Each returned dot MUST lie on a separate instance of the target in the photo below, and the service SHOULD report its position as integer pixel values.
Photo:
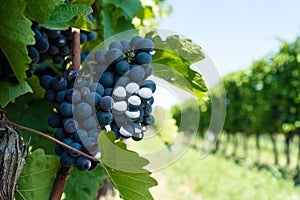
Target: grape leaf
(10, 91)
(84, 185)
(68, 15)
(125, 169)
(39, 11)
(38, 176)
(15, 34)
(87, 2)
(129, 9)
(178, 54)
(112, 24)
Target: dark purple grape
(83, 164)
(116, 45)
(66, 160)
(106, 103)
(89, 123)
(66, 109)
(60, 41)
(91, 36)
(79, 135)
(59, 83)
(93, 98)
(143, 58)
(41, 44)
(104, 118)
(97, 87)
(55, 120)
(83, 37)
(60, 96)
(75, 146)
(100, 56)
(145, 45)
(70, 125)
(107, 79)
(149, 120)
(50, 95)
(33, 54)
(45, 82)
(137, 73)
(83, 110)
(134, 41)
(60, 134)
(122, 67)
(148, 84)
(90, 144)
(58, 150)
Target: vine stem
(76, 49)
(49, 138)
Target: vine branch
(48, 137)
(76, 49)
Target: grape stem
(49, 137)
(76, 49)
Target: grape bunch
(68, 104)
(111, 93)
(122, 71)
(55, 45)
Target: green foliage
(37, 176)
(178, 55)
(39, 11)
(125, 169)
(15, 34)
(10, 91)
(69, 15)
(84, 185)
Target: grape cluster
(111, 93)
(54, 44)
(122, 71)
(68, 104)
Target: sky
(234, 33)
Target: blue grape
(60, 134)
(53, 33)
(83, 37)
(104, 118)
(126, 131)
(148, 84)
(60, 41)
(84, 91)
(83, 110)
(134, 41)
(149, 120)
(97, 87)
(143, 58)
(33, 54)
(66, 160)
(75, 146)
(147, 109)
(148, 70)
(106, 103)
(59, 83)
(93, 98)
(145, 45)
(125, 46)
(60, 96)
(79, 135)
(83, 164)
(53, 49)
(41, 44)
(94, 133)
(90, 144)
(91, 36)
(116, 45)
(55, 120)
(100, 56)
(115, 128)
(66, 109)
(58, 150)
(65, 50)
(108, 92)
(70, 125)
(45, 82)
(107, 79)
(114, 55)
(50, 95)
(90, 123)
(122, 67)
(67, 141)
(137, 73)
(37, 33)
(73, 95)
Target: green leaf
(125, 169)
(34, 82)
(10, 91)
(83, 23)
(66, 15)
(39, 11)
(15, 34)
(112, 24)
(129, 9)
(178, 55)
(87, 2)
(38, 176)
(33, 113)
(84, 185)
